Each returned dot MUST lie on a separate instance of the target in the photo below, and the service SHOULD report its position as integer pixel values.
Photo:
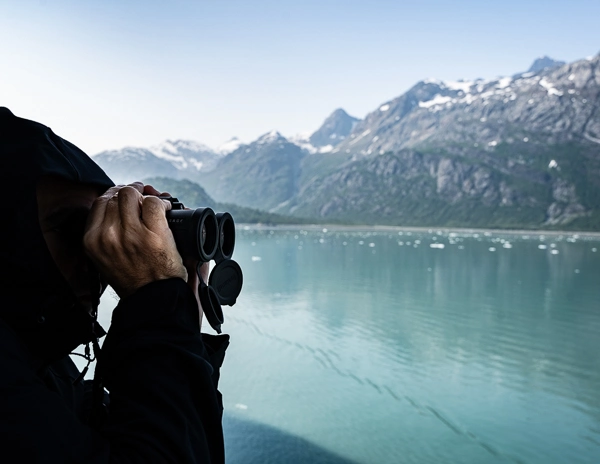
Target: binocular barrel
(201, 234)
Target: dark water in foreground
(375, 347)
(360, 347)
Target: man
(60, 244)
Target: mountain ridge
(522, 151)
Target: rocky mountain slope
(520, 151)
(260, 175)
(334, 130)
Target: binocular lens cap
(211, 307)
(226, 280)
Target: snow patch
(437, 100)
(552, 164)
(504, 82)
(197, 164)
(571, 77)
(326, 149)
(270, 137)
(364, 134)
(229, 147)
(550, 88)
(384, 107)
(465, 86)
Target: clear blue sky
(106, 74)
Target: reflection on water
(400, 346)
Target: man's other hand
(129, 240)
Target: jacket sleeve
(162, 379)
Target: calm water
(374, 347)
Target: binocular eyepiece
(203, 235)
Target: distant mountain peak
(229, 147)
(270, 137)
(544, 62)
(334, 129)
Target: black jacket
(160, 372)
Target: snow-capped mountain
(230, 146)
(178, 159)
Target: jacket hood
(37, 301)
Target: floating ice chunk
(507, 245)
(525, 139)
(552, 164)
(372, 245)
(241, 406)
(594, 250)
(361, 242)
(324, 230)
(256, 258)
(437, 245)
(401, 243)
(492, 248)
(321, 240)
(576, 271)
(542, 246)
(493, 143)
(554, 252)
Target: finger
(98, 210)
(165, 194)
(139, 186)
(150, 190)
(129, 200)
(153, 214)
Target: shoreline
(445, 230)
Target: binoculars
(203, 235)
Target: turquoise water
(375, 347)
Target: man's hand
(128, 239)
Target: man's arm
(164, 401)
